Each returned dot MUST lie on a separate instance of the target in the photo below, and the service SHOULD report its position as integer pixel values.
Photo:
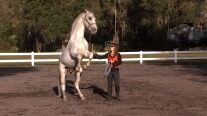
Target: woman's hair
(115, 47)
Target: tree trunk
(38, 45)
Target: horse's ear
(86, 11)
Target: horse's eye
(90, 18)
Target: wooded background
(42, 25)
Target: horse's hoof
(59, 96)
(65, 99)
(77, 69)
(83, 98)
(85, 67)
(76, 93)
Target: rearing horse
(73, 53)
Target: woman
(114, 59)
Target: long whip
(108, 69)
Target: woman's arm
(96, 56)
(119, 62)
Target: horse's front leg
(78, 67)
(90, 56)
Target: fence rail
(137, 56)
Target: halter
(90, 24)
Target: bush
(6, 46)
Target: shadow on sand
(70, 89)
(8, 71)
(191, 67)
(99, 91)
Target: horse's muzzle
(94, 30)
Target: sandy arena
(146, 90)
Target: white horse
(73, 53)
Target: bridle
(90, 24)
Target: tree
(46, 22)
(41, 25)
(9, 21)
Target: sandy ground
(146, 90)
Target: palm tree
(116, 13)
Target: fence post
(32, 58)
(176, 56)
(141, 57)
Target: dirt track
(146, 90)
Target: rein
(90, 44)
(89, 40)
(90, 24)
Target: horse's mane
(76, 21)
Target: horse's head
(90, 22)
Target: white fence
(137, 56)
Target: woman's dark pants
(113, 77)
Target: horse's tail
(64, 44)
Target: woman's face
(112, 48)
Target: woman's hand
(111, 61)
(93, 51)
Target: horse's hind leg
(59, 87)
(62, 82)
(77, 81)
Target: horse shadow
(70, 89)
(97, 90)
